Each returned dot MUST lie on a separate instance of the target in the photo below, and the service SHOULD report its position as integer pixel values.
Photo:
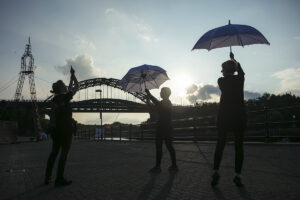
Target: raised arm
(150, 105)
(151, 97)
(238, 66)
(74, 85)
(240, 70)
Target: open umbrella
(230, 35)
(145, 76)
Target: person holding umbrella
(141, 79)
(163, 128)
(231, 117)
(64, 127)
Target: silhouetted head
(165, 93)
(59, 87)
(228, 67)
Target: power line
(8, 82)
(43, 80)
(13, 77)
(4, 88)
(43, 84)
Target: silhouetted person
(231, 117)
(64, 127)
(163, 127)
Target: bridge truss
(115, 83)
(103, 105)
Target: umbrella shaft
(145, 83)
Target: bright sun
(179, 84)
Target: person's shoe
(173, 168)
(155, 169)
(215, 179)
(238, 182)
(62, 182)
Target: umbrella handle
(143, 76)
(230, 49)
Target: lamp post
(100, 97)
(294, 121)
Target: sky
(107, 38)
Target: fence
(268, 124)
(120, 132)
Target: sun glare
(179, 84)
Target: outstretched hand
(72, 70)
(231, 55)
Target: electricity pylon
(27, 69)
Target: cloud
(211, 93)
(202, 93)
(191, 89)
(125, 24)
(251, 95)
(83, 65)
(289, 80)
(83, 44)
(206, 92)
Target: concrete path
(119, 170)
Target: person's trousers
(169, 144)
(58, 143)
(239, 149)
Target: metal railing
(263, 125)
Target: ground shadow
(34, 193)
(164, 192)
(218, 193)
(147, 189)
(203, 155)
(244, 194)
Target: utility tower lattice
(27, 69)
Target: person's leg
(158, 144)
(218, 156)
(56, 144)
(219, 148)
(63, 157)
(239, 156)
(158, 148)
(239, 151)
(169, 144)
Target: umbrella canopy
(230, 35)
(145, 76)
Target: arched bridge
(114, 83)
(108, 103)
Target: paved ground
(118, 170)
